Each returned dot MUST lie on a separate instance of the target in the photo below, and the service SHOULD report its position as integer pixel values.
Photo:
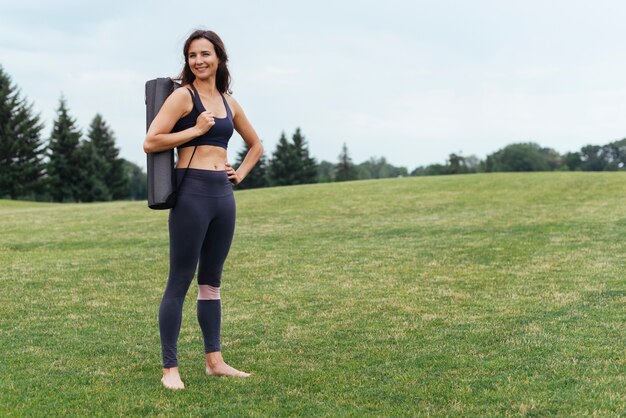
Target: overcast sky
(408, 80)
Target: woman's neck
(206, 87)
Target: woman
(199, 119)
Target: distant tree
(284, 167)
(594, 158)
(379, 168)
(64, 160)
(111, 170)
(307, 172)
(257, 177)
(518, 157)
(419, 171)
(436, 170)
(474, 164)
(137, 180)
(573, 161)
(91, 186)
(345, 170)
(456, 164)
(21, 146)
(325, 172)
(616, 154)
(552, 158)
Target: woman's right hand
(204, 122)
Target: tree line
(68, 167)
(530, 156)
(65, 167)
(291, 164)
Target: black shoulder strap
(196, 100)
(195, 104)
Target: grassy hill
(490, 295)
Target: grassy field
(477, 295)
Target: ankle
(171, 370)
(214, 359)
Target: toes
(174, 386)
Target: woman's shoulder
(234, 104)
(179, 101)
(183, 90)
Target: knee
(210, 275)
(208, 292)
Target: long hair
(222, 77)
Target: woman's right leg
(188, 222)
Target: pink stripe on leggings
(206, 292)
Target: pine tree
(138, 181)
(284, 167)
(65, 158)
(255, 178)
(91, 186)
(307, 172)
(345, 169)
(21, 145)
(113, 174)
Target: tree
(345, 170)
(137, 180)
(325, 172)
(456, 164)
(593, 158)
(21, 146)
(518, 157)
(474, 164)
(379, 169)
(307, 172)
(91, 187)
(112, 173)
(257, 177)
(285, 164)
(65, 159)
(573, 161)
(616, 154)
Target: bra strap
(196, 100)
(229, 114)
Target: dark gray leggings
(201, 229)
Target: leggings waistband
(209, 183)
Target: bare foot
(171, 379)
(223, 369)
(215, 366)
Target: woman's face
(202, 58)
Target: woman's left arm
(249, 135)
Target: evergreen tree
(21, 146)
(91, 187)
(255, 178)
(137, 180)
(325, 172)
(64, 164)
(307, 172)
(285, 164)
(345, 169)
(112, 173)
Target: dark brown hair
(222, 77)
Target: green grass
(490, 295)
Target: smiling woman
(202, 116)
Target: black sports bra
(218, 135)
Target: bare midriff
(207, 157)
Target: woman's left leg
(213, 254)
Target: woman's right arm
(160, 136)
